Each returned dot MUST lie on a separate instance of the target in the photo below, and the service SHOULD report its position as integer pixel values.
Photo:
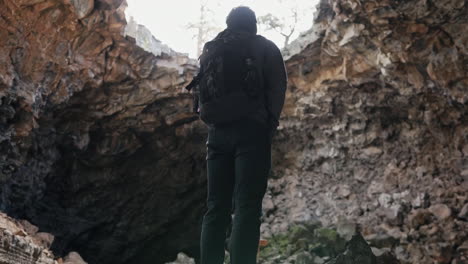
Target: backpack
(228, 86)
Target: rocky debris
(312, 244)
(357, 251)
(82, 8)
(16, 248)
(464, 212)
(182, 259)
(441, 211)
(21, 243)
(73, 258)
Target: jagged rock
(346, 229)
(182, 259)
(420, 200)
(314, 244)
(73, 258)
(44, 239)
(441, 211)
(357, 251)
(29, 228)
(419, 217)
(82, 7)
(382, 240)
(387, 258)
(464, 212)
(304, 258)
(17, 246)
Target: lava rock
(357, 251)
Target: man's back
(238, 150)
(242, 76)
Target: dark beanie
(242, 18)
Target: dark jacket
(272, 67)
(273, 81)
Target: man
(240, 130)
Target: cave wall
(98, 145)
(375, 127)
(97, 140)
(21, 243)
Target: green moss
(328, 242)
(303, 239)
(296, 239)
(326, 233)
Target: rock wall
(99, 148)
(375, 127)
(22, 243)
(97, 142)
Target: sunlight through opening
(186, 25)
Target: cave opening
(186, 26)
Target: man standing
(240, 91)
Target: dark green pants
(238, 165)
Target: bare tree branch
(272, 22)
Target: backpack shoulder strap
(195, 81)
(207, 53)
(210, 49)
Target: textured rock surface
(73, 258)
(182, 259)
(357, 251)
(145, 39)
(376, 127)
(20, 243)
(97, 143)
(311, 244)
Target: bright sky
(168, 19)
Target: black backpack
(228, 86)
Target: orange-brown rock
(89, 133)
(18, 245)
